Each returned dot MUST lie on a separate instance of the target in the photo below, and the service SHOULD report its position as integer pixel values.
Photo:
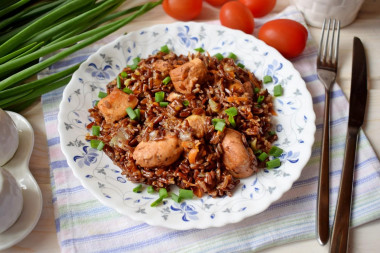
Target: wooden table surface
(367, 27)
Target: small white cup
(11, 200)
(315, 11)
(9, 139)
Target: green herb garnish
(137, 188)
(102, 94)
(267, 79)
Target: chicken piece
(197, 124)
(238, 159)
(237, 87)
(153, 154)
(162, 66)
(172, 96)
(113, 107)
(248, 87)
(242, 88)
(187, 75)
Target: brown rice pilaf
(176, 141)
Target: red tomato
(182, 9)
(235, 15)
(287, 36)
(216, 2)
(259, 8)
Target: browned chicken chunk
(248, 88)
(113, 107)
(197, 124)
(172, 96)
(151, 154)
(187, 75)
(162, 66)
(238, 159)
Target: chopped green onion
(136, 60)
(267, 79)
(118, 83)
(259, 151)
(137, 188)
(135, 63)
(162, 192)
(275, 151)
(156, 202)
(260, 99)
(257, 90)
(138, 113)
(95, 130)
(94, 143)
(131, 113)
(232, 56)
(232, 121)
(159, 96)
(186, 103)
(272, 132)
(232, 111)
(164, 104)
(150, 189)
(241, 65)
(166, 80)
(220, 126)
(176, 198)
(277, 90)
(186, 194)
(273, 163)
(165, 49)
(263, 156)
(216, 120)
(200, 50)
(127, 90)
(100, 146)
(102, 94)
(123, 74)
(219, 56)
(96, 103)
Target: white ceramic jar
(315, 11)
(11, 200)
(9, 139)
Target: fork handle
(339, 237)
(324, 184)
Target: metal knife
(358, 100)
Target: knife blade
(358, 100)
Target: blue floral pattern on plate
(294, 124)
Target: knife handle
(339, 239)
(323, 225)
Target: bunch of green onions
(30, 30)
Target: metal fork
(327, 63)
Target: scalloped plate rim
(120, 209)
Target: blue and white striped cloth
(85, 225)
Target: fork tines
(330, 57)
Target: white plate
(294, 124)
(18, 166)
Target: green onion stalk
(44, 28)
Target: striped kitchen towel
(85, 225)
